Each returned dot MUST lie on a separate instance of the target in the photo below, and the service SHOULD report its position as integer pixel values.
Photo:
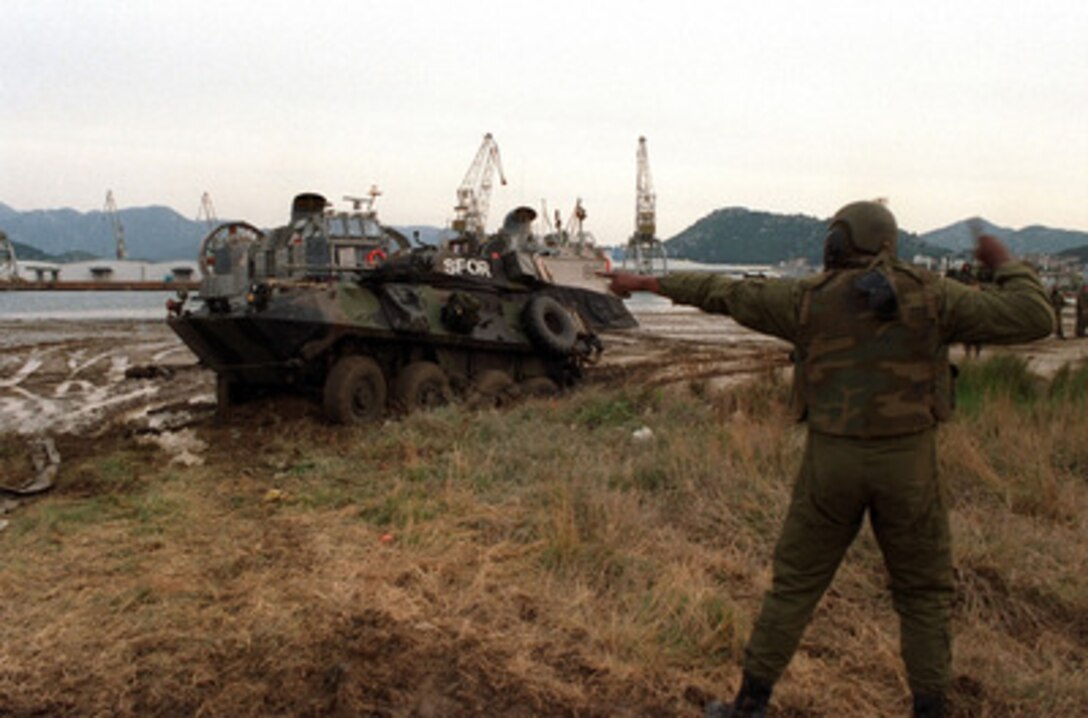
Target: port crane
(474, 194)
(644, 250)
(364, 205)
(549, 226)
(9, 265)
(577, 237)
(115, 222)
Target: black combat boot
(751, 701)
(929, 705)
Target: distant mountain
(730, 235)
(1035, 239)
(151, 233)
(737, 235)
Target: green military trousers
(895, 481)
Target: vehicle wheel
(538, 386)
(355, 391)
(422, 385)
(492, 388)
(550, 326)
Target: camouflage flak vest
(860, 376)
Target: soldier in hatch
(871, 379)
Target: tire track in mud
(77, 382)
(657, 361)
(685, 345)
(73, 377)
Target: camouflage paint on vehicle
(283, 310)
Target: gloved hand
(623, 283)
(991, 251)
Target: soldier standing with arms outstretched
(871, 380)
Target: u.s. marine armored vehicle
(341, 307)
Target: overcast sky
(949, 109)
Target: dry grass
(541, 562)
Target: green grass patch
(1070, 384)
(603, 410)
(67, 517)
(402, 508)
(999, 376)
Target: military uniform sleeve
(769, 306)
(1017, 310)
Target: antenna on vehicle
(364, 204)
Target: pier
(93, 286)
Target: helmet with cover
(870, 227)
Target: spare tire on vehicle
(550, 326)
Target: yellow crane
(474, 194)
(644, 250)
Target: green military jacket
(894, 379)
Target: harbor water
(90, 306)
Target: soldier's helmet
(871, 227)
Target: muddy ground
(87, 377)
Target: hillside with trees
(736, 235)
(1034, 239)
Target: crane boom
(645, 199)
(474, 194)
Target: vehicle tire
(538, 386)
(355, 391)
(491, 388)
(550, 326)
(422, 385)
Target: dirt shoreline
(84, 376)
